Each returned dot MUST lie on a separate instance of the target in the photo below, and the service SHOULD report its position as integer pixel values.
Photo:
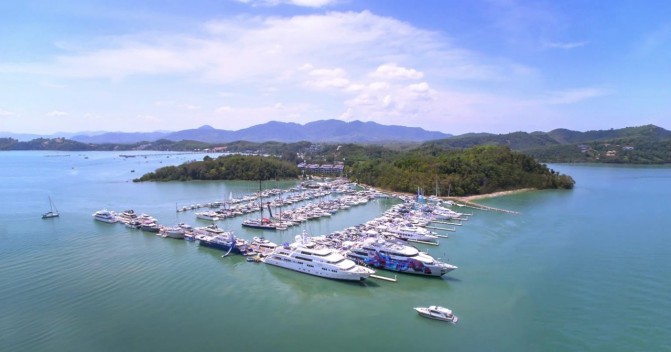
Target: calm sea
(581, 270)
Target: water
(586, 269)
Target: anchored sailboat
(52, 213)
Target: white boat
(438, 313)
(408, 232)
(306, 257)
(262, 246)
(173, 232)
(379, 253)
(105, 216)
(52, 213)
(208, 215)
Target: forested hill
(231, 167)
(478, 170)
(647, 144)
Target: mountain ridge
(335, 131)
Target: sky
(453, 66)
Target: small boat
(438, 313)
(52, 213)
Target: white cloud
(56, 113)
(245, 49)
(566, 45)
(327, 78)
(393, 71)
(6, 113)
(302, 3)
(573, 96)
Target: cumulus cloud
(253, 48)
(356, 64)
(393, 71)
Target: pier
(383, 278)
(465, 203)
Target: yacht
(262, 246)
(306, 257)
(408, 232)
(223, 240)
(178, 231)
(105, 216)
(438, 313)
(263, 223)
(208, 215)
(383, 254)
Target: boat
(149, 226)
(52, 213)
(105, 216)
(305, 256)
(438, 313)
(208, 215)
(222, 240)
(262, 246)
(178, 231)
(262, 223)
(393, 256)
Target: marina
(522, 281)
(382, 242)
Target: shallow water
(586, 269)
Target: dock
(441, 228)
(384, 278)
(468, 204)
(424, 242)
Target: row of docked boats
(142, 222)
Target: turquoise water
(584, 270)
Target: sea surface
(582, 270)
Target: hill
(323, 131)
(641, 145)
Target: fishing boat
(52, 213)
(437, 313)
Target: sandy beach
(491, 195)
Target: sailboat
(52, 213)
(261, 223)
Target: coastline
(489, 195)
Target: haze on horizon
(451, 66)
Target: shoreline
(490, 195)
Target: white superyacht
(306, 257)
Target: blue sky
(453, 66)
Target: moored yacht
(223, 240)
(105, 216)
(379, 253)
(306, 257)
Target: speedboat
(438, 313)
